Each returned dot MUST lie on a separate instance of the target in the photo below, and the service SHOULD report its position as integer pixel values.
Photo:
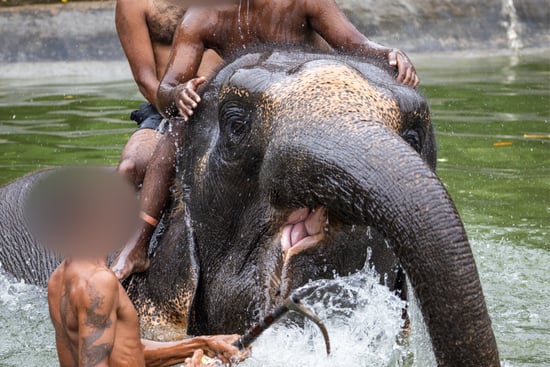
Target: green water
(502, 192)
(478, 103)
(64, 119)
(483, 107)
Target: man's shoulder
(208, 16)
(57, 273)
(55, 280)
(132, 7)
(136, 3)
(103, 277)
(98, 286)
(296, 4)
(202, 23)
(100, 278)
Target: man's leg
(154, 195)
(137, 154)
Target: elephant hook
(292, 303)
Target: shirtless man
(83, 214)
(146, 29)
(228, 28)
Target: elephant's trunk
(364, 173)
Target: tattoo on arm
(96, 324)
(92, 355)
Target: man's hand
(197, 360)
(187, 98)
(200, 360)
(221, 347)
(406, 71)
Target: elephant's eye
(238, 126)
(235, 120)
(415, 138)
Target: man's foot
(132, 259)
(130, 262)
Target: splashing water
(26, 329)
(239, 24)
(364, 322)
(362, 316)
(247, 20)
(247, 16)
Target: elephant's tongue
(304, 229)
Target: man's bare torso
(64, 287)
(235, 27)
(163, 18)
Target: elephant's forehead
(230, 89)
(332, 90)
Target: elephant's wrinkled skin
(282, 130)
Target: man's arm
(96, 305)
(133, 32)
(329, 21)
(164, 354)
(176, 92)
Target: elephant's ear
(169, 287)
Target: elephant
(298, 165)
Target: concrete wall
(431, 25)
(85, 31)
(72, 31)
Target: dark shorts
(147, 117)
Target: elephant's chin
(303, 229)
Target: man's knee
(127, 168)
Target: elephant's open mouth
(304, 229)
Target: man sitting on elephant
(228, 29)
(146, 29)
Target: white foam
(364, 322)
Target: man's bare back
(96, 324)
(91, 312)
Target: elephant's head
(291, 161)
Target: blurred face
(83, 212)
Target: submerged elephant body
(299, 165)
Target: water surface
(492, 117)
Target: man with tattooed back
(84, 214)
